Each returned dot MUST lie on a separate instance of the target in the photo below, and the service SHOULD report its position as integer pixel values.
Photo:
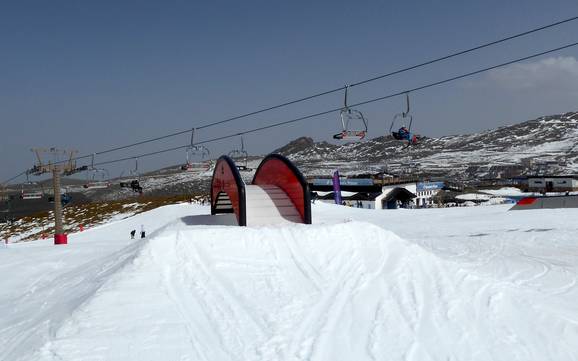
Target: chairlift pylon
(349, 116)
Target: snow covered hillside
(546, 144)
(506, 151)
(476, 283)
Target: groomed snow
(473, 196)
(477, 283)
(505, 191)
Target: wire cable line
(310, 116)
(143, 155)
(422, 87)
(313, 96)
(399, 71)
(13, 178)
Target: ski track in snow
(463, 284)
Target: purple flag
(336, 188)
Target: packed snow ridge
(477, 283)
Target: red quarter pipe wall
(277, 170)
(279, 193)
(227, 180)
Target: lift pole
(59, 236)
(57, 168)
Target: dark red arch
(228, 190)
(279, 171)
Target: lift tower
(57, 162)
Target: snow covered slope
(465, 283)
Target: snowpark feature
(546, 202)
(475, 283)
(278, 194)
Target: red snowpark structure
(278, 194)
(546, 202)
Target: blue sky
(93, 75)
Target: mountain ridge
(545, 144)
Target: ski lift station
(365, 193)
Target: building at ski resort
(544, 184)
(365, 193)
(426, 191)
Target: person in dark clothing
(132, 233)
(405, 135)
(142, 231)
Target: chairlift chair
(134, 172)
(133, 184)
(27, 194)
(348, 117)
(242, 155)
(400, 120)
(94, 182)
(98, 182)
(193, 151)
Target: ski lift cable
(422, 87)
(462, 52)
(143, 155)
(392, 95)
(399, 71)
(4, 183)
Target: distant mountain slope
(547, 144)
(544, 145)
